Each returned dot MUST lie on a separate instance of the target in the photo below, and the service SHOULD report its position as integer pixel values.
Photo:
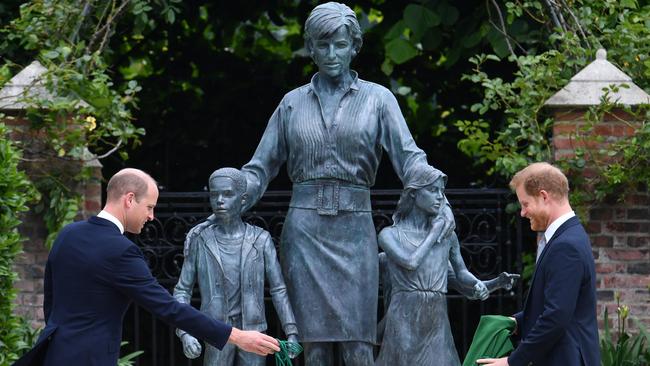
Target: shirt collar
(354, 85)
(552, 228)
(105, 215)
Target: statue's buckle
(328, 199)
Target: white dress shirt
(105, 215)
(550, 231)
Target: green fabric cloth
(492, 339)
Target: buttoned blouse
(348, 148)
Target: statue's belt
(329, 197)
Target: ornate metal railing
(490, 243)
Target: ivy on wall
(16, 192)
(88, 113)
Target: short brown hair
(541, 176)
(128, 180)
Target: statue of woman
(331, 134)
(418, 248)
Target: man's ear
(244, 198)
(128, 199)
(544, 195)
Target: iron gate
(491, 242)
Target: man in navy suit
(93, 273)
(558, 324)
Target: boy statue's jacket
(257, 260)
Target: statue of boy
(419, 250)
(229, 260)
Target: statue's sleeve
(398, 142)
(269, 156)
(396, 138)
(277, 287)
(187, 278)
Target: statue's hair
(325, 19)
(542, 176)
(235, 174)
(128, 180)
(422, 176)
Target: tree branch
(106, 28)
(554, 17)
(503, 27)
(577, 21)
(82, 18)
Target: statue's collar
(354, 85)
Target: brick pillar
(619, 231)
(30, 265)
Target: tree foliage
(16, 192)
(576, 30)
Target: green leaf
(387, 67)
(396, 31)
(51, 54)
(419, 19)
(400, 51)
(170, 16)
(472, 39)
(629, 4)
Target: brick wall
(30, 265)
(619, 231)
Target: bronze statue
(331, 134)
(418, 253)
(230, 259)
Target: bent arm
(563, 274)
(132, 277)
(464, 277)
(269, 156)
(411, 260)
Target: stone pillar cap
(586, 87)
(28, 83)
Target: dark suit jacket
(92, 275)
(558, 325)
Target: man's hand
(493, 361)
(293, 339)
(480, 291)
(191, 346)
(254, 342)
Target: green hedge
(16, 191)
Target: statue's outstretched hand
(191, 346)
(196, 230)
(504, 280)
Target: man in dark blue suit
(93, 273)
(558, 325)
